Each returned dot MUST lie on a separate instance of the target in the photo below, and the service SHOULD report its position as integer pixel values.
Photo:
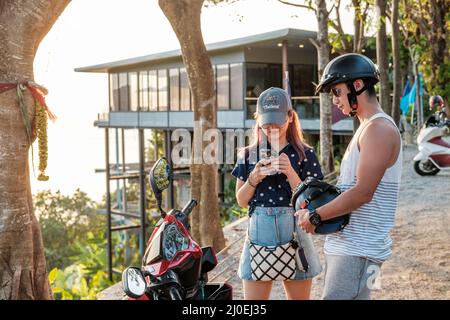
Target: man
(440, 116)
(370, 178)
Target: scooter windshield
(154, 250)
(173, 241)
(168, 240)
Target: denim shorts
(272, 227)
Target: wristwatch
(314, 218)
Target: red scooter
(174, 266)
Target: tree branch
(344, 41)
(331, 10)
(362, 39)
(315, 44)
(298, 5)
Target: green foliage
(65, 221)
(230, 210)
(155, 149)
(74, 242)
(425, 34)
(76, 247)
(75, 283)
(337, 156)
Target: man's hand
(303, 221)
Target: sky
(91, 32)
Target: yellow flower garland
(40, 125)
(41, 131)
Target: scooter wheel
(425, 168)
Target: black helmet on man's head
(348, 67)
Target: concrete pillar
(284, 56)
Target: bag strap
(295, 242)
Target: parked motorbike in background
(436, 119)
(174, 266)
(434, 151)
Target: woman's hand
(283, 165)
(258, 173)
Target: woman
(266, 186)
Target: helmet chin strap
(352, 97)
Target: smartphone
(267, 155)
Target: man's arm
(379, 146)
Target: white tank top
(368, 232)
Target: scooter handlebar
(189, 207)
(175, 293)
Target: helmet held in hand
(314, 193)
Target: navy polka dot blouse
(275, 190)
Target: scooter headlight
(173, 241)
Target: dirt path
(420, 264)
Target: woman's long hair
(294, 136)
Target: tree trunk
(323, 51)
(397, 78)
(418, 98)
(359, 23)
(439, 37)
(23, 274)
(184, 16)
(359, 42)
(382, 55)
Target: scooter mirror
(160, 175)
(133, 282)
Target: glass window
(223, 86)
(185, 98)
(153, 90)
(154, 145)
(134, 90)
(114, 144)
(273, 76)
(255, 79)
(301, 80)
(123, 91)
(255, 85)
(143, 90)
(174, 80)
(114, 91)
(307, 109)
(131, 138)
(236, 82)
(162, 90)
(260, 76)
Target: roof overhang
(258, 40)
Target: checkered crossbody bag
(278, 262)
(273, 262)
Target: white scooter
(434, 152)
